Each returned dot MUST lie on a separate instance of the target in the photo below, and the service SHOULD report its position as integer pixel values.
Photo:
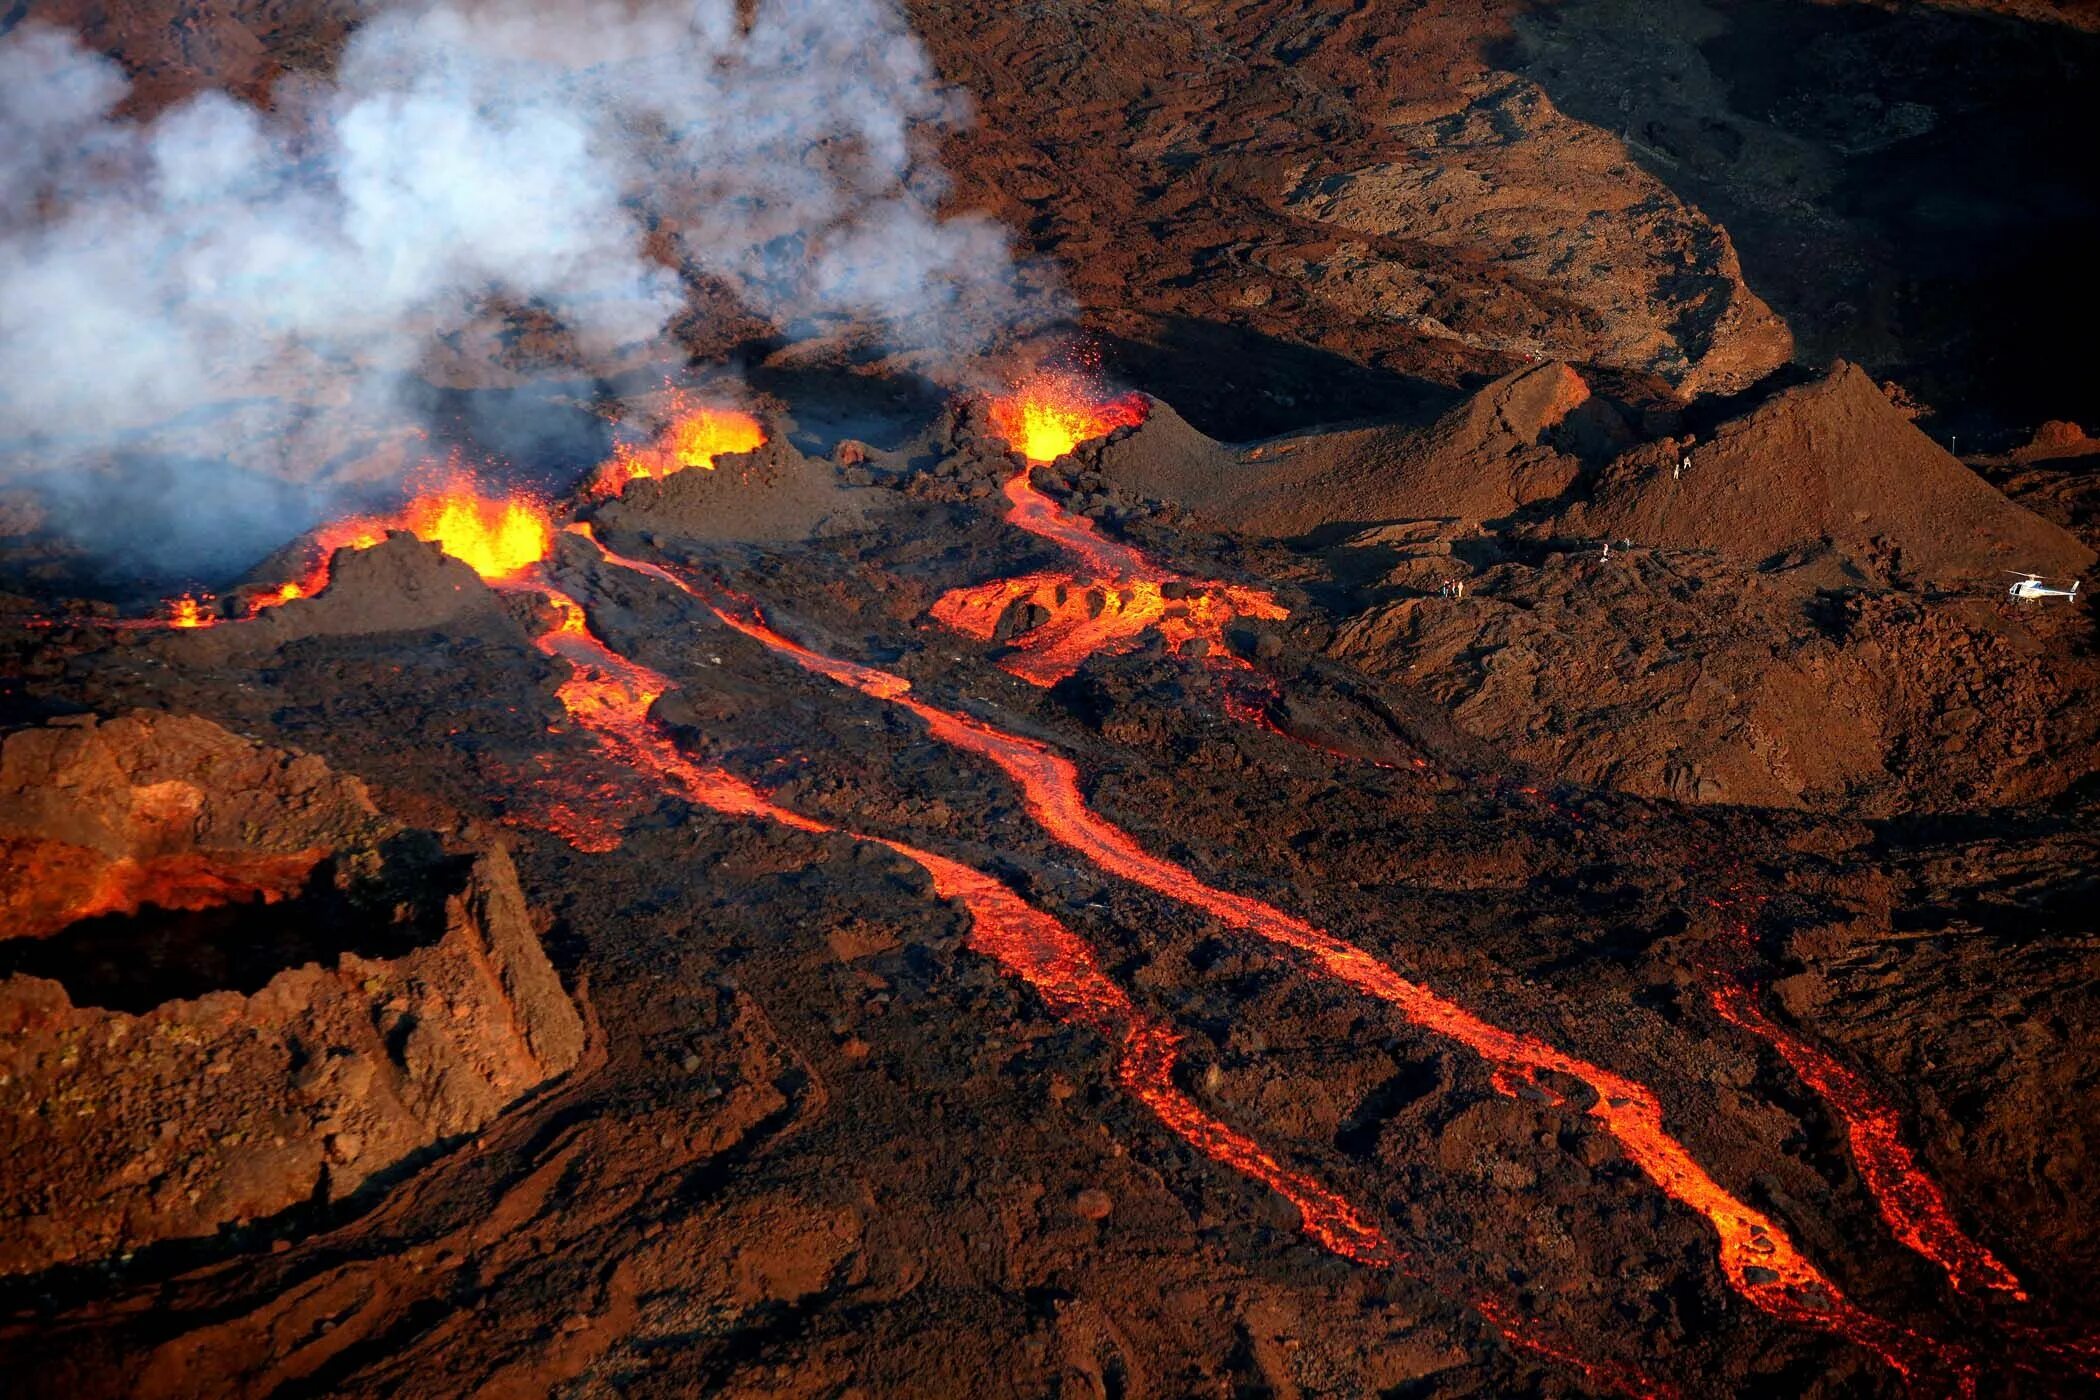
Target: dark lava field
(1273, 699)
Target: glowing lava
(1756, 1256)
(1049, 413)
(1909, 1201)
(46, 885)
(498, 537)
(190, 611)
(610, 696)
(695, 437)
(1120, 596)
(1060, 966)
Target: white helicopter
(2031, 586)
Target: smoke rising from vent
(209, 296)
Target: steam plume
(224, 282)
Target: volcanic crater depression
(1575, 880)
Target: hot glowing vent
(695, 437)
(1048, 414)
(499, 537)
(190, 611)
(496, 537)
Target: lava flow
(1119, 594)
(695, 437)
(1757, 1257)
(1909, 1201)
(610, 696)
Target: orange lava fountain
(1049, 413)
(695, 437)
(498, 537)
(1756, 1256)
(190, 611)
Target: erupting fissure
(498, 537)
(1115, 597)
(695, 437)
(1757, 1257)
(1050, 412)
(189, 610)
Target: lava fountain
(498, 537)
(1049, 413)
(695, 437)
(1118, 594)
(190, 611)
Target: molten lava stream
(1909, 1201)
(1061, 968)
(610, 696)
(1757, 1257)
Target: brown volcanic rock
(401, 584)
(102, 815)
(146, 784)
(1492, 455)
(1370, 184)
(414, 1001)
(772, 495)
(1600, 261)
(1672, 675)
(1834, 464)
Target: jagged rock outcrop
(263, 994)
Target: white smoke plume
(223, 272)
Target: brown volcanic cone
(1498, 451)
(1832, 464)
(772, 495)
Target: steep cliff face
(241, 989)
